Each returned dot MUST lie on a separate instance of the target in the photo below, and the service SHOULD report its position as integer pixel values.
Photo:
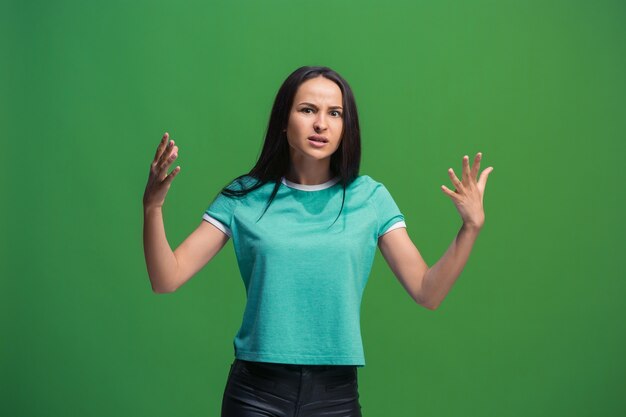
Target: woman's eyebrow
(313, 105)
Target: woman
(305, 228)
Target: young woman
(305, 228)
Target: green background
(535, 324)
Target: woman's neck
(309, 176)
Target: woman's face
(316, 110)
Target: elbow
(429, 306)
(426, 303)
(158, 290)
(161, 289)
(421, 298)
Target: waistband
(286, 370)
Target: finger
(476, 166)
(167, 149)
(161, 146)
(171, 175)
(465, 173)
(454, 179)
(482, 181)
(167, 162)
(166, 152)
(167, 155)
(447, 191)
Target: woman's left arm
(429, 286)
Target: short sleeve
(389, 215)
(220, 213)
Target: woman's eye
(337, 113)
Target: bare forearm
(441, 276)
(160, 260)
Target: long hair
(273, 163)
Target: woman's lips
(317, 144)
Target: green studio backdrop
(534, 325)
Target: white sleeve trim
(396, 225)
(217, 224)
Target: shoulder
(368, 191)
(242, 182)
(360, 186)
(369, 185)
(366, 179)
(363, 181)
(241, 186)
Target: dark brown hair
(273, 163)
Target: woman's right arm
(169, 270)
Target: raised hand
(158, 180)
(468, 194)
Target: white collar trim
(315, 187)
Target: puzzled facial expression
(315, 122)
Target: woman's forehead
(319, 89)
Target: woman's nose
(320, 122)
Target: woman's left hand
(468, 194)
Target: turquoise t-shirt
(304, 280)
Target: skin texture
(428, 286)
(311, 165)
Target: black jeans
(256, 389)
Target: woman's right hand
(158, 180)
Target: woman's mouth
(317, 143)
(317, 140)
